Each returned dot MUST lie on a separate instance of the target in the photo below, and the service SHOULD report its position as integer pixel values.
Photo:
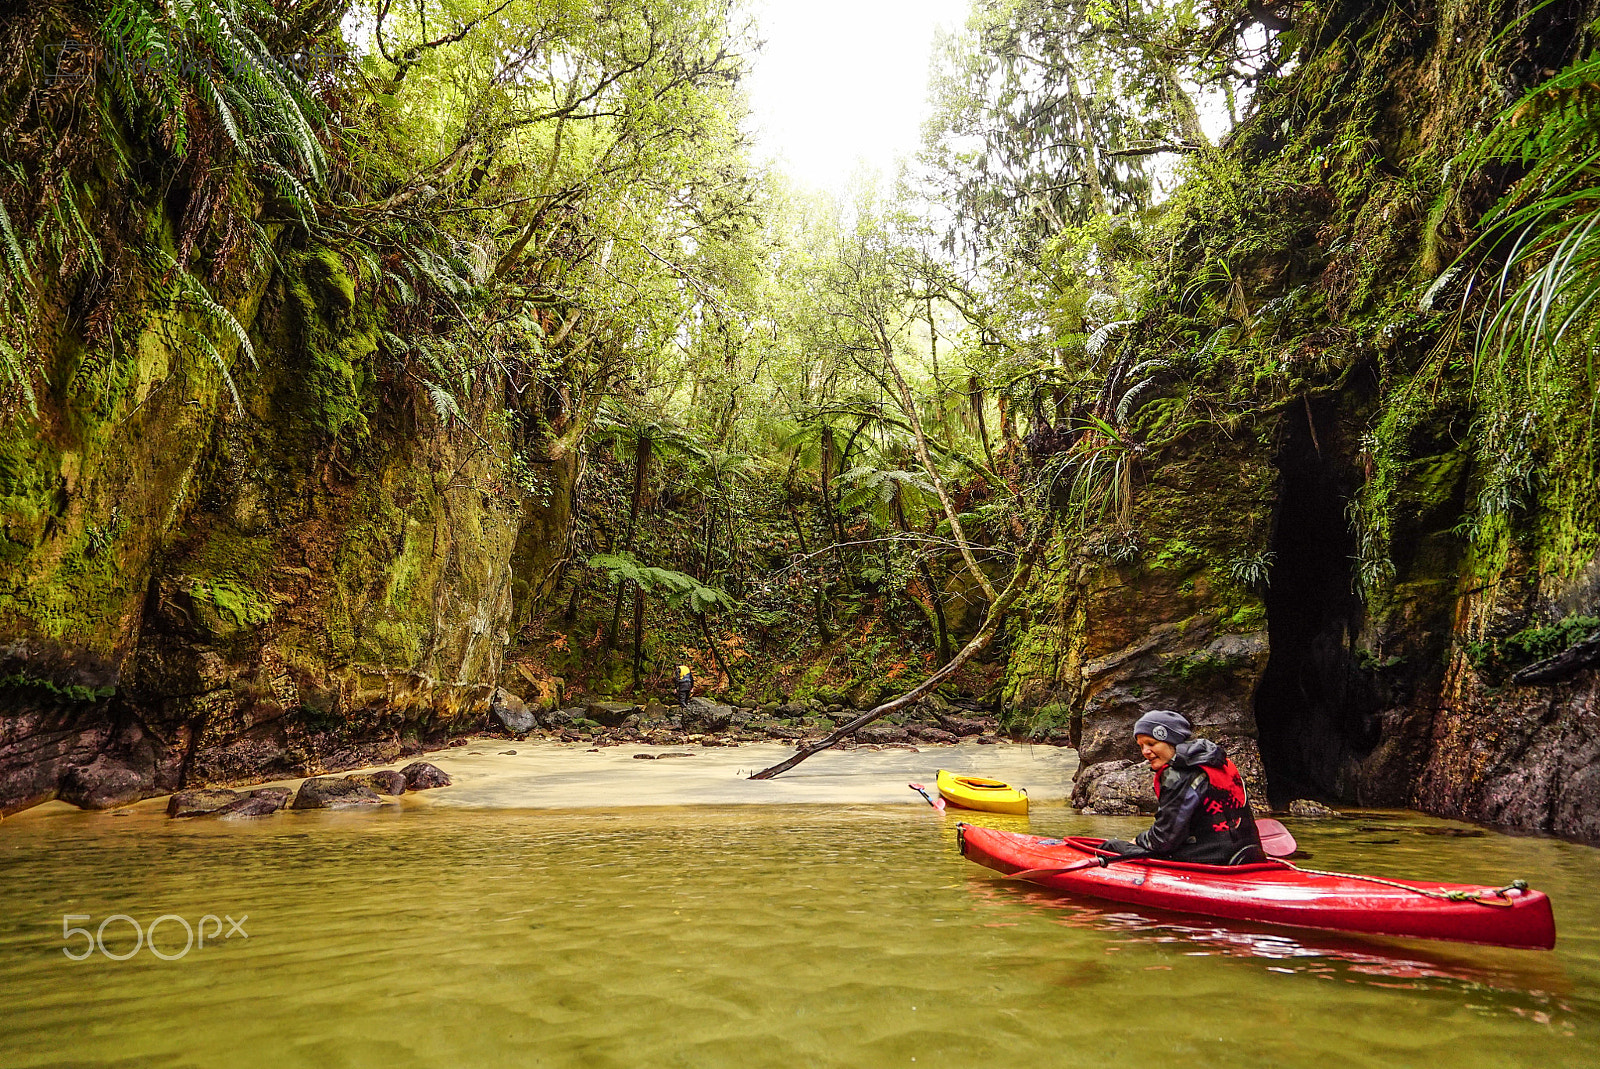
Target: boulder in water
(262, 803)
(329, 792)
(386, 781)
(1115, 788)
(200, 802)
(1306, 808)
(106, 783)
(422, 776)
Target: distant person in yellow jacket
(685, 684)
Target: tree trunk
(986, 633)
(935, 602)
(643, 446)
(817, 601)
(978, 402)
(1091, 149)
(933, 473)
(638, 633)
(716, 650)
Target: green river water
(775, 935)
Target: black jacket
(1203, 812)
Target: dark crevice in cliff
(1312, 707)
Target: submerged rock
(327, 792)
(1305, 807)
(262, 803)
(199, 803)
(422, 776)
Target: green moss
(1501, 657)
(237, 604)
(35, 687)
(1241, 619)
(337, 340)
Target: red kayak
(1274, 892)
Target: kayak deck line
(1273, 891)
(1448, 896)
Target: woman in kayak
(1202, 809)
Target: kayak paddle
(932, 799)
(1275, 838)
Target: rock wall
(1364, 656)
(198, 592)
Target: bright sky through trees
(841, 81)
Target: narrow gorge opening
(1306, 702)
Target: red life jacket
(1224, 824)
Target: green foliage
(680, 591)
(1251, 571)
(1498, 658)
(1535, 376)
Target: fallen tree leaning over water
(986, 633)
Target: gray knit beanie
(1163, 725)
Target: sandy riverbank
(544, 774)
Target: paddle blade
(932, 799)
(1275, 838)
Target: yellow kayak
(976, 792)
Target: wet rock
(422, 776)
(386, 781)
(611, 714)
(1305, 807)
(105, 783)
(899, 746)
(512, 712)
(262, 803)
(924, 733)
(964, 726)
(989, 740)
(508, 753)
(560, 718)
(666, 755)
(790, 710)
(644, 757)
(883, 733)
(279, 795)
(198, 803)
(703, 715)
(328, 792)
(1115, 788)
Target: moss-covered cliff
(1322, 556)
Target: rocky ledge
(364, 789)
(709, 723)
